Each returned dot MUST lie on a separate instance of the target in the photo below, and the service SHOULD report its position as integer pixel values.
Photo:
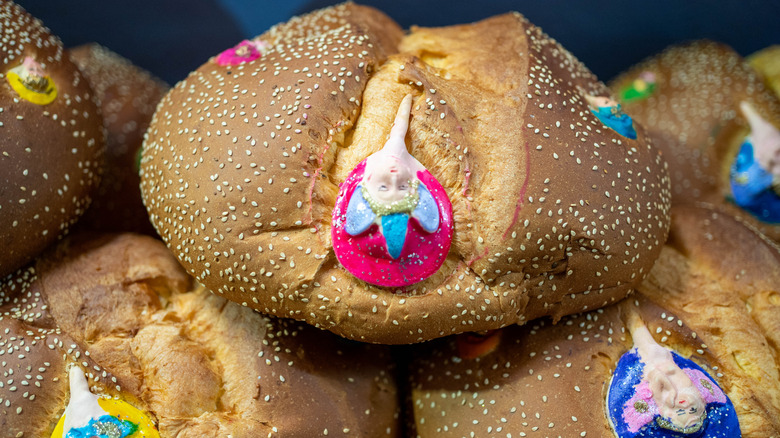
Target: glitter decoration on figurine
(90, 416)
(611, 115)
(31, 82)
(392, 223)
(243, 52)
(755, 172)
(655, 392)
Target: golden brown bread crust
(128, 97)
(712, 296)
(50, 154)
(199, 364)
(554, 213)
(693, 117)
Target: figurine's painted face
(682, 405)
(388, 177)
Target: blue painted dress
(752, 186)
(634, 414)
(614, 118)
(106, 426)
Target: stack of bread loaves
(692, 353)
(166, 352)
(338, 182)
(717, 125)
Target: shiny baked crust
(554, 213)
(128, 96)
(121, 307)
(694, 118)
(50, 154)
(712, 296)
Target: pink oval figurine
(392, 223)
(245, 51)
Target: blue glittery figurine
(657, 393)
(104, 427)
(755, 172)
(611, 115)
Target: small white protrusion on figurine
(83, 405)
(765, 138)
(674, 393)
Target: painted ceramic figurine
(392, 223)
(657, 393)
(90, 416)
(611, 115)
(640, 88)
(245, 51)
(755, 173)
(31, 82)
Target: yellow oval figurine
(31, 82)
(90, 416)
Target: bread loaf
(558, 202)
(712, 299)
(120, 308)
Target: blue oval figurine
(755, 173)
(655, 392)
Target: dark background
(170, 38)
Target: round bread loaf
(128, 96)
(51, 139)
(696, 101)
(121, 308)
(553, 212)
(712, 298)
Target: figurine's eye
(383, 188)
(681, 412)
(403, 187)
(693, 410)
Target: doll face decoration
(31, 82)
(657, 393)
(90, 416)
(611, 115)
(392, 223)
(755, 173)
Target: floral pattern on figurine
(392, 223)
(611, 115)
(655, 392)
(755, 173)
